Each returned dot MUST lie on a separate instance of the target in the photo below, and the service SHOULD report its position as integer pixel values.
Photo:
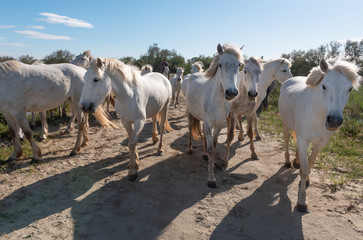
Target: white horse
(37, 88)
(166, 72)
(176, 83)
(278, 69)
(137, 98)
(146, 69)
(196, 67)
(208, 99)
(312, 107)
(244, 103)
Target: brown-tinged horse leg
(257, 134)
(43, 119)
(230, 136)
(24, 124)
(81, 125)
(85, 130)
(14, 132)
(164, 115)
(240, 135)
(286, 135)
(134, 156)
(155, 129)
(250, 135)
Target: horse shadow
(265, 214)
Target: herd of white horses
(310, 107)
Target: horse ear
(282, 61)
(99, 63)
(324, 66)
(242, 47)
(219, 49)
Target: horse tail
(103, 118)
(196, 133)
(293, 133)
(167, 126)
(112, 100)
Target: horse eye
(239, 64)
(219, 65)
(83, 59)
(323, 86)
(350, 89)
(96, 79)
(284, 70)
(245, 72)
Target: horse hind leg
(71, 122)
(286, 135)
(164, 114)
(43, 119)
(190, 128)
(230, 136)
(257, 134)
(154, 129)
(14, 132)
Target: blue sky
(112, 28)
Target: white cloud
(36, 27)
(7, 26)
(14, 44)
(71, 22)
(39, 35)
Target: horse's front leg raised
(134, 156)
(210, 151)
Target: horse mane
(348, 70)
(227, 48)
(129, 73)
(10, 66)
(257, 61)
(87, 53)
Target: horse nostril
(328, 119)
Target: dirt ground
(89, 197)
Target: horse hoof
(42, 139)
(160, 153)
(205, 157)
(254, 156)
(67, 132)
(190, 151)
(258, 138)
(125, 142)
(296, 165)
(84, 145)
(307, 183)
(155, 140)
(221, 165)
(240, 139)
(132, 177)
(302, 208)
(73, 154)
(287, 165)
(34, 160)
(212, 184)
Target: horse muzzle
(231, 93)
(252, 95)
(333, 122)
(88, 108)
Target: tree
(353, 50)
(128, 60)
(59, 56)
(333, 49)
(27, 59)
(6, 58)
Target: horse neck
(267, 75)
(120, 87)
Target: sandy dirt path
(89, 197)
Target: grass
(342, 157)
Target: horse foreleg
(210, 151)
(177, 99)
(81, 125)
(230, 136)
(304, 173)
(14, 132)
(24, 124)
(250, 135)
(311, 159)
(85, 130)
(43, 120)
(257, 134)
(134, 156)
(240, 135)
(32, 121)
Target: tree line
(302, 61)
